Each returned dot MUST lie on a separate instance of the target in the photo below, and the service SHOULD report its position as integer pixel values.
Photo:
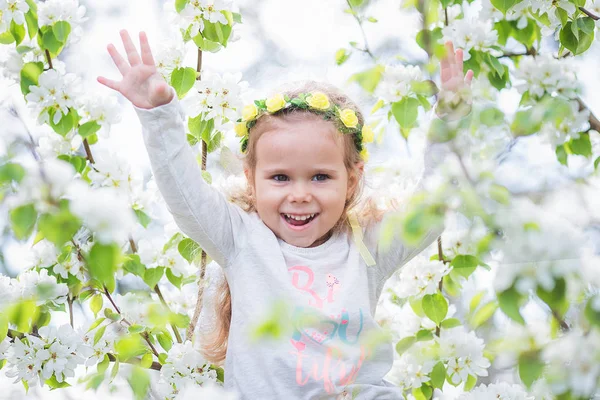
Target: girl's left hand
(454, 98)
(452, 70)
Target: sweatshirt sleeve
(199, 210)
(392, 258)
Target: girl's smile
(301, 182)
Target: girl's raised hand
(142, 84)
(454, 99)
(452, 70)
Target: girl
(295, 241)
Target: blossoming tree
(91, 220)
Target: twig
(362, 29)
(190, 330)
(594, 122)
(155, 365)
(589, 14)
(70, 302)
(530, 52)
(441, 285)
(563, 325)
(164, 303)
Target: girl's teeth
(300, 218)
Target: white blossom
(206, 391)
(185, 367)
(463, 352)
(217, 96)
(51, 144)
(544, 74)
(420, 278)
(104, 211)
(496, 391)
(471, 33)
(106, 111)
(56, 92)
(396, 82)
(41, 287)
(574, 363)
(13, 10)
(52, 11)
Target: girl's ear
(354, 177)
(250, 179)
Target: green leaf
(96, 304)
(580, 42)
(99, 333)
(143, 218)
(3, 326)
(139, 380)
(417, 306)
(53, 383)
(206, 45)
(66, 122)
(89, 128)
(356, 3)
(556, 298)
(175, 280)
(102, 262)
(368, 79)
(406, 111)
(424, 335)
(470, 384)
(130, 346)
(561, 154)
(426, 88)
(103, 365)
(450, 323)
(182, 80)
(404, 344)
(216, 32)
(581, 146)
(188, 249)
(341, 56)
(153, 275)
(180, 5)
(30, 74)
(61, 30)
(96, 323)
(165, 341)
(18, 32)
(6, 37)
(527, 122)
(464, 261)
(115, 370)
(592, 315)
(23, 220)
(146, 361)
(110, 314)
(32, 22)
(438, 375)
(50, 42)
(435, 307)
(503, 5)
(530, 367)
(483, 314)
(510, 302)
(135, 328)
(134, 266)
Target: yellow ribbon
(362, 249)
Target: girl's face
(300, 181)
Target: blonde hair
(214, 346)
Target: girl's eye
(322, 176)
(283, 178)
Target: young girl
(297, 241)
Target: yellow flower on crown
(349, 118)
(367, 134)
(240, 129)
(275, 103)
(249, 112)
(365, 154)
(318, 100)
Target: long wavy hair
(214, 346)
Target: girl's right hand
(142, 84)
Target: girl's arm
(200, 211)
(453, 109)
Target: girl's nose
(299, 193)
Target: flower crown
(345, 119)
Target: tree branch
(589, 14)
(164, 303)
(190, 330)
(362, 29)
(594, 122)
